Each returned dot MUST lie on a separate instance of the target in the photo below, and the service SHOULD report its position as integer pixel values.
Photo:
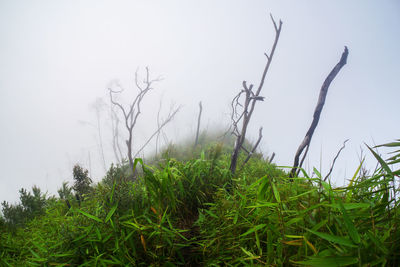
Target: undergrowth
(193, 212)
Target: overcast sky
(57, 58)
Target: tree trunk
(317, 113)
(198, 125)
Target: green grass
(192, 212)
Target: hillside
(193, 212)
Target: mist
(59, 58)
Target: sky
(58, 57)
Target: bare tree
(132, 111)
(196, 141)
(243, 112)
(317, 113)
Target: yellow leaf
(143, 242)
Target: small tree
(65, 192)
(31, 205)
(82, 181)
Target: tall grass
(193, 213)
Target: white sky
(57, 57)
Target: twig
(165, 122)
(334, 160)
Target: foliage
(82, 181)
(65, 192)
(31, 205)
(181, 213)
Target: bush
(31, 206)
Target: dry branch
(334, 160)
(169, 118)
(242, 112)
(317, 113)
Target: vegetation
(193, 212)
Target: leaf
(382, 162)
(329, 261)
(317, 173)
(348, 196)
(393, 144)
(153, 210)
(248, 253)
(310, 245)
(111, 212)
(334, 239)
(303, 194)
(276, 192)
(263, 204)
(143, 241)
(349, 225)
(211, 214)
(263, 188)
(296, 242)
(255, 228)
(90, 216)
(294, 220)
(351, 206)
(377, 242)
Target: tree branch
(165, 122)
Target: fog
(58, 57)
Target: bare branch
(254, 147)
(272, 157)
(334, 160)
(273, 21)
(158, 125)
(170, 116)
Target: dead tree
(317, 113)
(196, 141)
(98, 106)
(132, 112)
(242, 112)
